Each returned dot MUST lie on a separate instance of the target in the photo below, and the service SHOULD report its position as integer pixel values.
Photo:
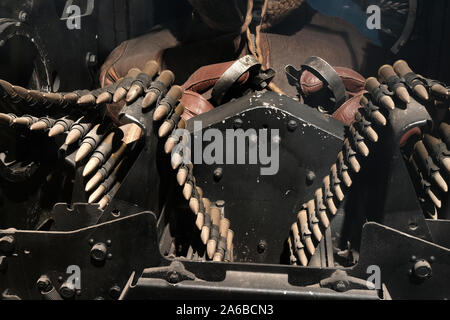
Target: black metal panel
(261, 207)
(131, 241)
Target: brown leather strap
(194, 104)
(206, 77)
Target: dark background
(71, 58)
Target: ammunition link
(412, 80)
(394, 82)
(143, 80)
(221, 245)
(214, 232)
(158, 88)
(379, 92)
(170, 102)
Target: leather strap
(321, 69)
(226, 81)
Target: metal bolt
(44, 284)
(91, 242)
(292, 125)
(3, 263)
(23, 16)
(422, 269)
(7, 244)
(262, 246)
(341, 286)
(237, 123)
(174, 277)
(91, 59)
(108, 242)
(310, 177)
(66, 290)
(218, 174)
(99, 251)
(220, 203)
(114, 292)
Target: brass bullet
(109, 196)
(298, 246)
(439, 90)
(119, 94)
(97, 194)
(352, 161)
(25, 120)
(134, 92)
(436, 176)
(93, 182)
(121, 91)
(229, 256)
(91, 140)
(215, 233)
(176, 160)
(9, 89)
(313, 221)
(329, 196)
(223, 231)
(206, 228)
(39, 97)
(344, 173)
(164, 81)
(92, 164)
(24, 94)
(106, 185)
(43, 124)
(72, 97)
(336, 187)
(54, 97)
(434, 198)
(143, 80)
(106, 169)
(292, 258)
(372, 85)
(200, 220)
(171, 142)
(427, 162)
(88, 99)
(169, 124)
(438, 150)
(100, 154)
(402, 68)
(378, 117)
(78, 130)
(302, 219)
(364, 101)
(38, 126)
(150, 99)
(7, 118)
(187, 190)
(387, 74)
(60, 126)
(175, 93)
(57, 129)
(194, 204)
(73, 136)
(199, 191)
(183, 173)
(371, 134)
(83, 151)
(323, 218)
(424, 184)
(104, 97)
